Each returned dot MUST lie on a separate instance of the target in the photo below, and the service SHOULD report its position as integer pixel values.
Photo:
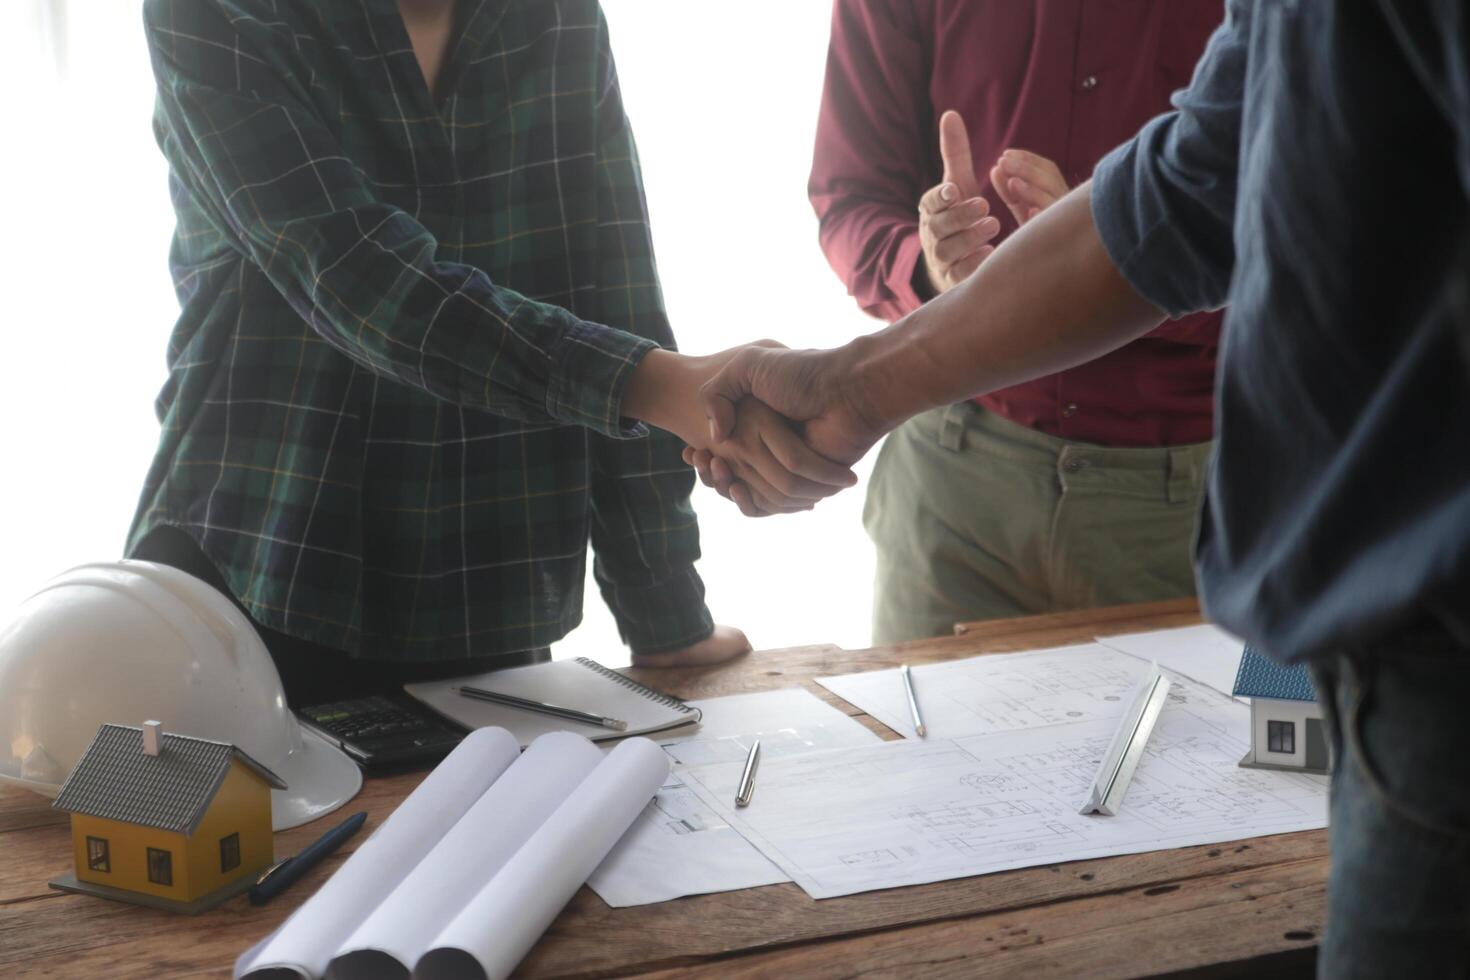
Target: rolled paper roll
(501, 923)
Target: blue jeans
(1398, 897)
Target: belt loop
(952, 429)
(1182, 480)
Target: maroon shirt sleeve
(869, 167)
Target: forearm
(1049, 299)
(448, 329)
(660, 390)
(1052, 296)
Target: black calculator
(384, 734)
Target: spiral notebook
(581, 683)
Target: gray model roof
(1261, 677)
(117, 780)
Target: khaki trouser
(976, 517)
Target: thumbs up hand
(955, 224)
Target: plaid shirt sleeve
(644, 530)
(243, 135)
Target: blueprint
(1206, 653)
(903, 813)
(999, 692)
(679, 845)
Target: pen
(908, 688)
(279, 877)
(541, 707)
(747, 778)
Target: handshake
(772, 429)
(775, 430)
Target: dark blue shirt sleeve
(1435, 37)
(1164, 202)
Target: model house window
(160, 866)
(1281, 736)
(97, 857)
(229, 852)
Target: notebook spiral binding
(667, 700)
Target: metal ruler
(1123, 755)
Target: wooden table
(1255, 906)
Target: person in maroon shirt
(1076, 490)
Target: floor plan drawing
(999, 692)
(901, 813)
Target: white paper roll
(399, 930)
(501, 923)
(306, 942)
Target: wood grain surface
(1253, 906)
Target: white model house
(1286, 720)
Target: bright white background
(723, 99)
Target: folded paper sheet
(998, 692)
(679, 846)
(1205, 653)
(470, 870)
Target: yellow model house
(166, 820)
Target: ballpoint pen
(908, 688)
(747, 778)
(279, 877)
(571, 714)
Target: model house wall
(196, 863)
(243, 807)
(1306, 735)
(126, 847)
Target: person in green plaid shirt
(420, 324)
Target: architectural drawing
(908, 812)
(999, 692)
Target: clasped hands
(740, 409)
(807, 407)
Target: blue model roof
(1261, 677)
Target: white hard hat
(127, 641)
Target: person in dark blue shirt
(1315, 178)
